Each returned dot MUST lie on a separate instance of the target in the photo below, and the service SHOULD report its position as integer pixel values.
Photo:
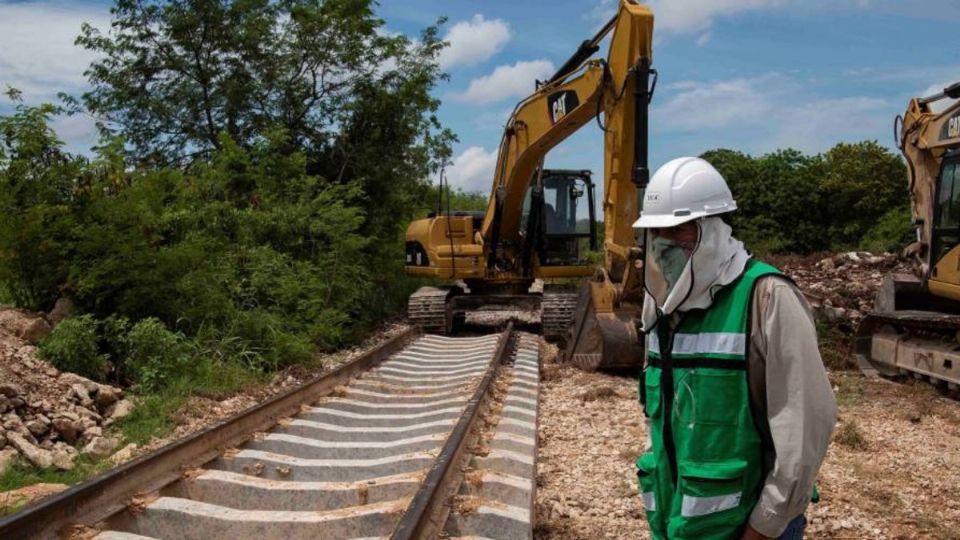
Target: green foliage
(172, 76)
(791, 202)
(154, 354)
(891, 233)
(74, 346)
(38, 194)
(459, 201)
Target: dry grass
(849, 434)
(595, 393)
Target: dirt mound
(46, 416)
(841, 287)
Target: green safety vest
(703, 476)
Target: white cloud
(764, 113)
(695, 105)
(473, 169)
(505, 82)
(37, 54)
(704, 39)
(687, 16)
(691, 16)
(474, 41)
(819, 124)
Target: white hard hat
(684, 189)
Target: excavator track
(557, 309)
(921, 344)
(427, 309)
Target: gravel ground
(893, 471)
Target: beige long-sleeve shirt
(789, 384)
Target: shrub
(74, 346)
(892, 232)
(155, 355)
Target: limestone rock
(38, 427)
(35, 331)
(63, 456)
(26, 495)
(10, 390)
(7, 458)
(67, 428)
(81, 394)
(124, 454)
(107, 395)
(120, 409)
(74, 379)
(100, 446)
(29, 327)
(34, 454)
(90, 434)
(64, 308)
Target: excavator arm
(577, 94)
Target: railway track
(425, 436)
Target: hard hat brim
(664, 221)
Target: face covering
(671, 258)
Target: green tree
(864, 182)
(176, 74)
(40, 191)
(853, 195)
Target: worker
(738, 402)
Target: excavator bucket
(601, 336)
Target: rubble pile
(841, 288)
(48, 418)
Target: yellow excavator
(914, 329)
(532, 227)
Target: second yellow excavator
(915, 326)
(531, 228)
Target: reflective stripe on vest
(705, 344)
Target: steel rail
(108, 493)
(427, 513)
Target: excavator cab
(945, 257)
(561, 221)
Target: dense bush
(75, 346)
(855, 195)
(154, 354)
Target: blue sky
(753, 75)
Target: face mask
(671, 259)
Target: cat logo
(561, 104)
(951, 128)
